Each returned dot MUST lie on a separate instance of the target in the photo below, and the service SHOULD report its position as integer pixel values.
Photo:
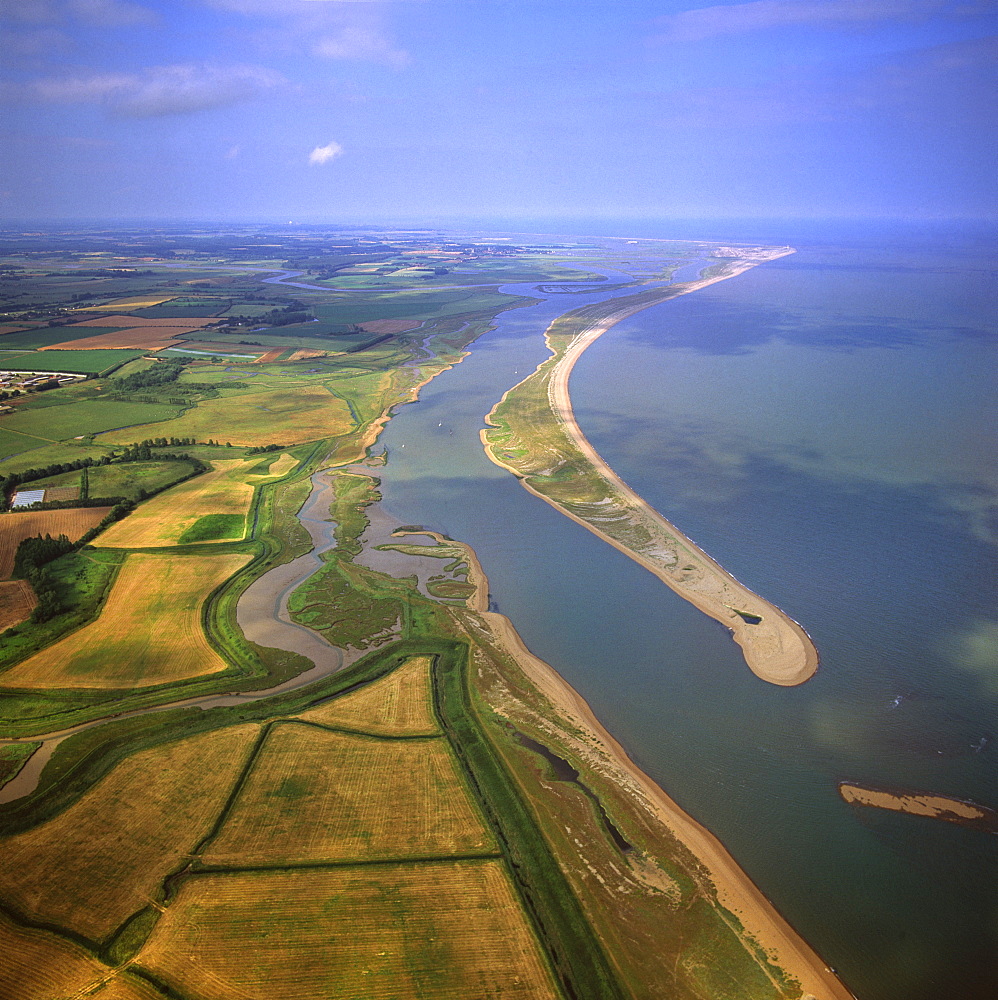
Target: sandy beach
(775, 647)
(735, 890)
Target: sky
(373, 111)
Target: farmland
(436, 931)
(292, 415)
(397, 705)
(234, 815)
(164, 519)
(127, 480)
(316, 795)
(16, 602)
(75, 870)
(15, 527)
(53, 423)
(40, 965)
(149, 631)
(87, 362)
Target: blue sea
(825, 426)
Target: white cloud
(331, 29)
(161, 90)
(324, 154)
(734, 19)
(360, 43)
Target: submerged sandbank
(942, 807)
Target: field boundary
(574, 953)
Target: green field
(185, 307)
(73, 362)
(213, 528)
(89, 416)
(45, 336)
(127, 479)
(360, 307)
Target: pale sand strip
(776, 649)
(735, 890)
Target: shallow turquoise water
(819, 425)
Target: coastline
(776, 648)
(736, 892)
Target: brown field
(37, 965)
(100, 860)
(62, 493)
(149, 631)
(292, 415)
(163, 519)
(315, 795)
(399, 704)
(134, 322)
(390, 325)
(440, 931)
(17, 601)
(142, 339)
(270, 356)
(15, 527)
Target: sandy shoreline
(775, 647)
(735, 890)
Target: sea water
(823, 425)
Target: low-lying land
(534, 435)
(149, 631)
(191, 815)
(163, 520)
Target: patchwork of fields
(149, 631)
(16, 526)
(438, 931)
(290, 415)
(208, 823)
(162, 520)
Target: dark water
(824, 426)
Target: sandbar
(942, 807)
(775, 647)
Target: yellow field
(315, 795)
(100, 860)
(17, 601)
(16, 526)
(440, 931)
(148, 633)
(36, 965)
(133, 302)
(281, 467)
(292, 416)
(399, 704)
(163, 519)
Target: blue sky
(397, 110)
